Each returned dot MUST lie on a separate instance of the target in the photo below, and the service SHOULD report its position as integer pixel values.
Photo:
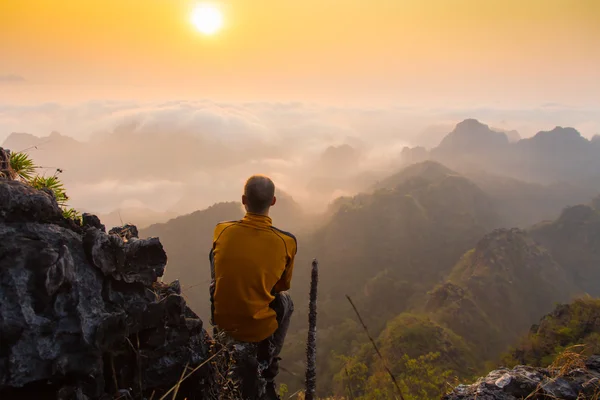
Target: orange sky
(432, 51)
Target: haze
(168, 114)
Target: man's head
(259, 194)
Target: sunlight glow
(207, 19)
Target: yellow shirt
(250, 261)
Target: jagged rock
(139, 260)
(126, 232)
(6, 172)
(92, 221)
(81, 313)
(21, 203)
(533, 383)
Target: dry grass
(224, 387)
(184, 376)
(567, 362)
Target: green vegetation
(575, 324)
(422, 355)
(419, 378)
(25, 171)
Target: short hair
(259, 191)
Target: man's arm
(212, 287)
(285, 281)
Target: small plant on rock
(24, 170)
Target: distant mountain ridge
(560, 154)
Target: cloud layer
(185, 155)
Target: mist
(173, 158)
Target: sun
(207, 19)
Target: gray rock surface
(82, 315)
(534, 383)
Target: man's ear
(274, 201)
(244, 200)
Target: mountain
(388, 246)
(433, 135)
(138, 216)
(498, 289)
(471, 143)
(470, 136)
(18, 141)
(492, 296)
(558, 155)
(536, 158)
(415, 223)
(574, 242)
(52, 152)
(522, 204)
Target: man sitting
(251, 266)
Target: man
(251, 266)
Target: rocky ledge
(575, 381)
(82, 315)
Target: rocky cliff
(573, 380)
(82, 315)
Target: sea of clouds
(186, 155)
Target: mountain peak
(579, 214)
(471, 136)
(470, 123)
(559, 133)
(17, 141)
(510, 255)
(428, 170)
(507, 249)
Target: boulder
(82, 313)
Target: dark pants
(270, 348)
(257, 364)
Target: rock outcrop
(82, 315)
(578, 381)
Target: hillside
(574, 242)
(522, 204)
(414, 226)
(388, 247)
(422, 355)
(498, 289)
(575, 325)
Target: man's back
(251, 261)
